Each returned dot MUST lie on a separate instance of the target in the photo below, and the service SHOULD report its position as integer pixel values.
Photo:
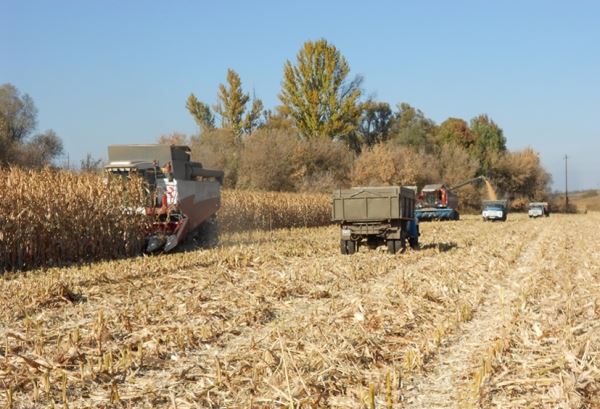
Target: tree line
(323, 135)
(19, 144)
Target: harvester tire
(207, 234)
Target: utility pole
(566, 187)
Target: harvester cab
(181, 194)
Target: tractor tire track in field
(446, 380)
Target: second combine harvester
(439, 202)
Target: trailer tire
(348, 246)
(373, 242)
(343, 248)
(395, 246)
(414, 243)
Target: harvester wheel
(207, 233)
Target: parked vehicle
(376, 215)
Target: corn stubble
(283, 320)
(280, 319)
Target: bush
(218, 149)
(277, 159)
(267, 161)
(520, 174)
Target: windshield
(493, 207)
(151, 177)
(432, 198)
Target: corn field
(51, 218)
(246, 210)
(483, 315)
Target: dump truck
(538, 209)
(182, 196)
(494, 210)
(440, 202)
(375, 216)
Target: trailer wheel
(395, 246)
(414, 243)
(373, 242)
(348, 246)
(343, 248)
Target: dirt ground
(492, 315)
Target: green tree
(201, 113)
(489, 139)
(375, 122)
(412, 128)
(455, 131)
(317, 95)
(253, 118)
(232, 103)
(231, 108)
(18, 119)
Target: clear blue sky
(104, 72)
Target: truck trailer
(376, 216)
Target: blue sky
(103, 72)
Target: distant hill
(584, 200)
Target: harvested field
(484, 315)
